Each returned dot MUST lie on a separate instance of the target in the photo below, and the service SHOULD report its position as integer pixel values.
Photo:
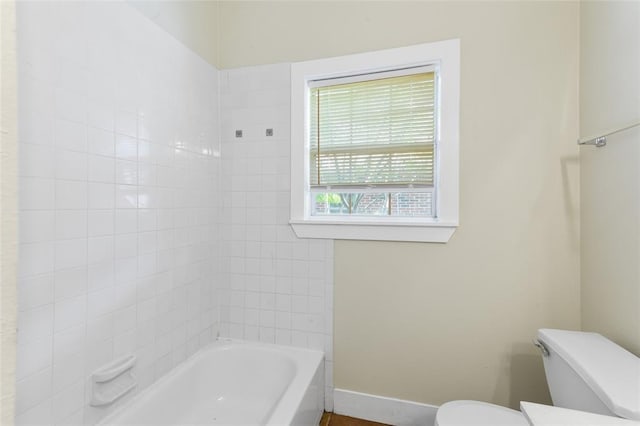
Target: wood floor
(330, 419)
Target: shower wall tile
(275, 287)
(136, 236)
(119, 203)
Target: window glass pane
(412, 204)
(403, 204)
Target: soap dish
(113, 381)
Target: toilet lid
(458, 413)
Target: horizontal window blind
(373, 133)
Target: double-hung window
(375, 145)
(372, 144)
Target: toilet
(585, 371)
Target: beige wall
(610, 176)
(8, 209)
(430, 322)
(194, 23)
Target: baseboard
(382, 409)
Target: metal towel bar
(601, 141)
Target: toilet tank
(587, 372)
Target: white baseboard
(382, 409)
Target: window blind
(373, 133)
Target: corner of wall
(189, 22)
(8, 212)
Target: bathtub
(233, 383)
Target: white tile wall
(121, 223)
(119, 211)
(275, 287)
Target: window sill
(412, 231)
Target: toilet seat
(459, 413)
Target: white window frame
(445, 55)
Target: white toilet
(585, 371)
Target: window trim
(446, 54)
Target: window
(374, 150)
(372, 144)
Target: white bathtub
(233, 383)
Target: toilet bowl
(585, 371)
(459, 413)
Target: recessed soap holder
(113, 381)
